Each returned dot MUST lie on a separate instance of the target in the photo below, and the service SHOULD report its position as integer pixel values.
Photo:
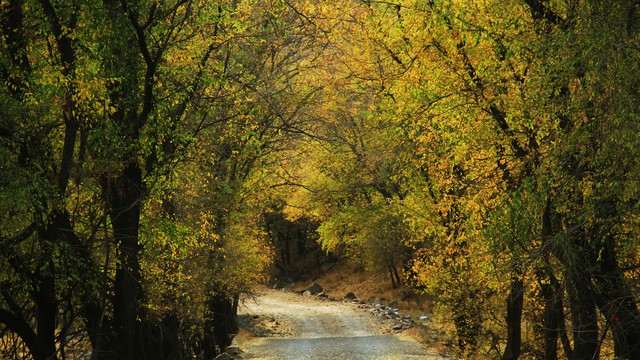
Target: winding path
(323, 330)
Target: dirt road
(297, 327)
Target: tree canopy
(484, 152)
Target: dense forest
(155, 154)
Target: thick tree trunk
(45, 298)
(221, 323)
(553, 319)
(584, 317)
(125, 193)
(550, 323)
(515, 301)
(221, 318)
(233, 317)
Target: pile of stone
(386, 313)
(391, 314)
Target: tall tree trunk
(583, 315)
(233, 317)
(222, 312)
(125, 193)
(515, 301)
(553, 318)
(45, 299)
(218, 325)
(550, 322)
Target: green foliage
(136, 137)
(479, 144)
(509, 140)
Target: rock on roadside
(313, 289)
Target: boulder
(389, 311)
(350, 296)
(314, 288)
(306, 293)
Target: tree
(484, 107)
(492, 153)
(103, 102)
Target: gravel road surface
(304, 327)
